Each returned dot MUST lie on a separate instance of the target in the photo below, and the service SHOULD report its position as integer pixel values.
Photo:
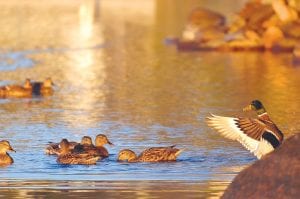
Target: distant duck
(68, 157)
(17, 91)
(55, 149)
(43, 88)
(154, 154)
(260, 136)
(98, 149)
(5, 158)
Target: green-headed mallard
(43, 88)
(154, 154)
(98, 149)
(16, 90)
(260, 136)
(5, 158)
(68, 157)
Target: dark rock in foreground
(277, 175)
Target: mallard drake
(17, 90)
(68, 157)
(98, 149)
(260, 136)
(43, 88)
(154, 154)
(5, 158)
(55, 149)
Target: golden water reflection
(115, 75)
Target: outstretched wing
(244, 130)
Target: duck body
(154, 154)
(17, 91)
(77, 158)
(5, 158)
(98, 149)
(259, 135)
(68, 157)
(54, 148)
(42, 88)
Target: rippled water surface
(114, 75)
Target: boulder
(277, 175)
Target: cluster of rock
(260, 25)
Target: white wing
(228, 128)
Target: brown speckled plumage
(154, 154)
(68, 157)
(16, 90)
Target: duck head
(27, 84)
(127, 155)
(86, 140)
(101, 140)
(256, 106)
(65, 146)
(5, 146)
(48, 83)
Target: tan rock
(271, 36)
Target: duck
(55, 149)
(154, 154)
(98, 149)
(43, 88)
(68, 157)
(5, 158)
(259, 135)
(17, 91)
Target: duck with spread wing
(260, 135)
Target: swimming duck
(55, 149)
(68, 157)
(85, 144)
(43, 88)
(5, 158)
(98, 149)
(260, 136)
(154, 154)
(17, 90)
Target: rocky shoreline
(258, 26)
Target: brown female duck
(259, 135)
(55, 149)
(154, 154)
(98, 149)
(43, 88)
(5, 158)
(68, 157)
(17, 90)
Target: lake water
(114, 75)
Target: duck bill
(108, 142)
(248, 108)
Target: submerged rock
(277, 175)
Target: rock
(296, 55)
(285, 12)
(255, 14)
(203, 18)
(272, 36)
(277, 175)
(204, 25)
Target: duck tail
(178, 152)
